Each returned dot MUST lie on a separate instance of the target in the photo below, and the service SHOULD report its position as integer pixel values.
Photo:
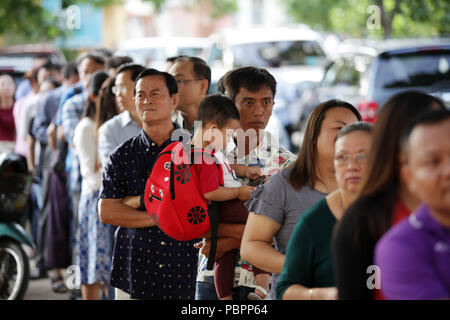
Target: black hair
(174, 58)
(108, 106)
(355, 126)
(104, 52)
(427, 118)
(50, 66)
(304, 168)
(250, 78)
(95, 84)
(92, 56)
(53, 81)
(115, 62)
(217, 108)
(171, 83)
(135, 69)
(69, 70)
(200, 67)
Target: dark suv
(367, 74)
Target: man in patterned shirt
(253, 91)
(147, 264)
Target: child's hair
(217, 108)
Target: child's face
(220, 137)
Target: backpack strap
(213, 213)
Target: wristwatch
(142, 203)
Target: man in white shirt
(193, 78)
(127, 124)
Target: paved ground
(41, 290)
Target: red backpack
(173, 197)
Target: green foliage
(221, 8)
(402, 17)
(26, 19)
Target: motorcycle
(15, 188)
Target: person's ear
(175, 100)
(91, 97)
(209, 131)
(406, 174)
(204, 86)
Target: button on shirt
(146, 263)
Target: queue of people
(358, 197)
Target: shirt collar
(148, 143)
(125, 118)
(422, 218)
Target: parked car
(345, 78)
(407, 65)
(18, 59)
(153, 51)
(293, 55)
(367, 74)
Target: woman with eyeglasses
(307, 271)
(277, 204)
(383, 200)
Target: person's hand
(51, 135)
(253, 173)
(60, 133)
(332, 294)
(222, 247)
(245, 192)
(132, 201)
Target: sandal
(255, 296)
(58, 285)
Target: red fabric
(173, 193)
(208, 175)
(7, 127)
(400, 212)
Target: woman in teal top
(307, 270)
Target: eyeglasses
(344, 159)
(181, 82)
(117, 89)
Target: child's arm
(242, 170)
(224, 193)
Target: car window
(19, 63)
(278, 53)
(421, 69)
(346, 72)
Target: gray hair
(355, 126)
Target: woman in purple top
(414, 256)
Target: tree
(377, 18)
(28, 21)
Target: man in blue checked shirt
(70, 114)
